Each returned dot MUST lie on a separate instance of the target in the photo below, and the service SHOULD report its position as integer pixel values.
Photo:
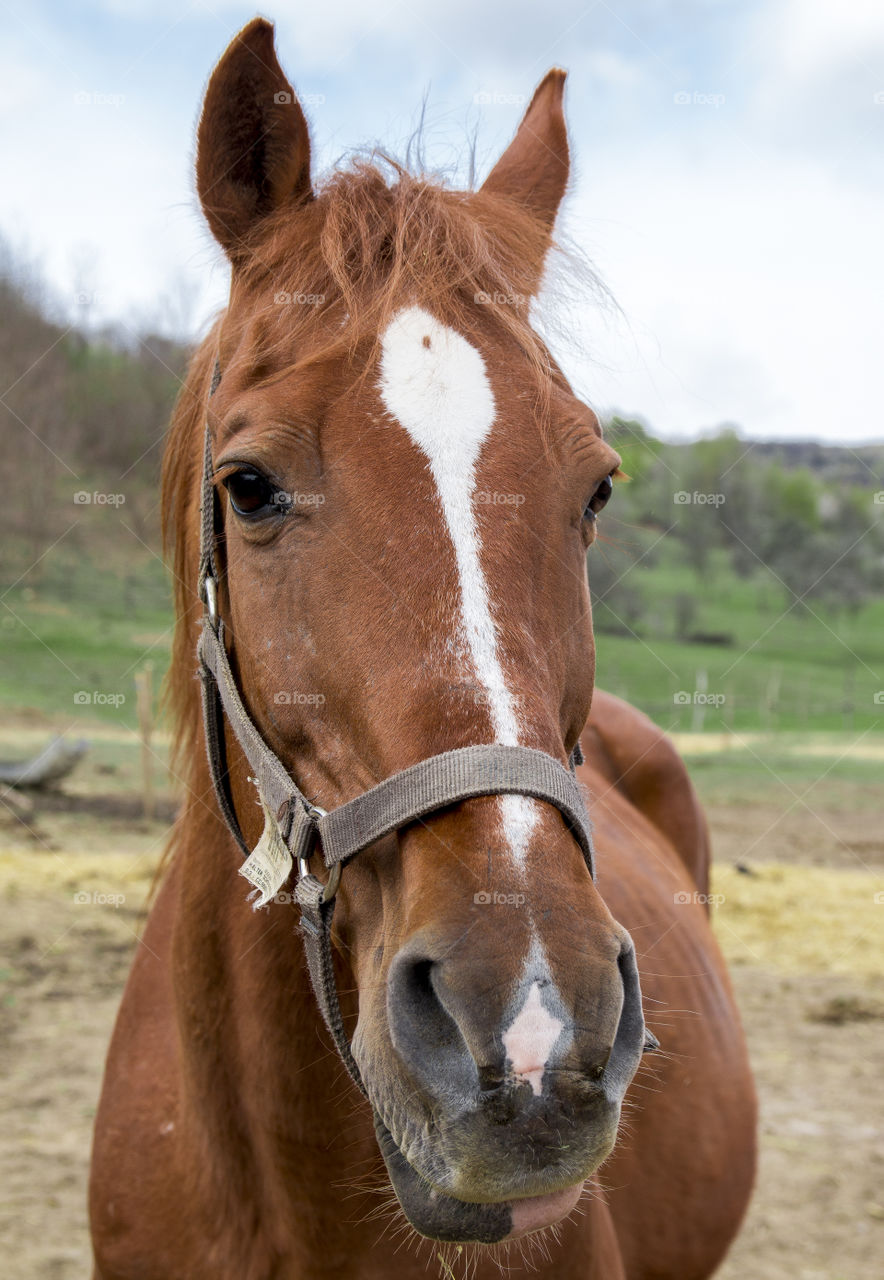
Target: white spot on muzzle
(529, 1039)
(434, 383)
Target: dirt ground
(799, 923)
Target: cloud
(727, 172)
(819, 84)
(744, 283)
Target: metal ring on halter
(211, 599)
(330, 888)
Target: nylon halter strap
(298, 827)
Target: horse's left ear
(534, 169)
(253, 148)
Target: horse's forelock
(377, 237)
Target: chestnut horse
(404, 488)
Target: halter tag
(269, 864)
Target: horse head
(407, 487)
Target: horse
(379, 491)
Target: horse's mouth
(439, 1216)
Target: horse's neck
(266, 1099)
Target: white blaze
(434, 383)
(530, 1038)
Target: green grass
(783, 669)
(88, 624)
(766, 769)
(84, 630)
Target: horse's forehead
(435, 384)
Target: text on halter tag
(269, 864)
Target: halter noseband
(294, 826)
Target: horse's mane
(378, 237)
(182, 466)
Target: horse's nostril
(631, 1039)
(421, 1026)
(418, 978)
(412, 996)
(436, 1031)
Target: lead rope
(405, 797)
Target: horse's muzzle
(519, 1106)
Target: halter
(295, 828)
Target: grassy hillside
(784, 666)
(736, 585)
(86, 627)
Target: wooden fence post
(144, 702)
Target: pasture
(799, 862)
(785, 666)
(83, 620)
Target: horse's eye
(599, 499)
(250, 493)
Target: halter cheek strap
(295, 827)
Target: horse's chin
(439, 1216)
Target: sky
(728, 176)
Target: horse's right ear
(533, 171)
(253, 148)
